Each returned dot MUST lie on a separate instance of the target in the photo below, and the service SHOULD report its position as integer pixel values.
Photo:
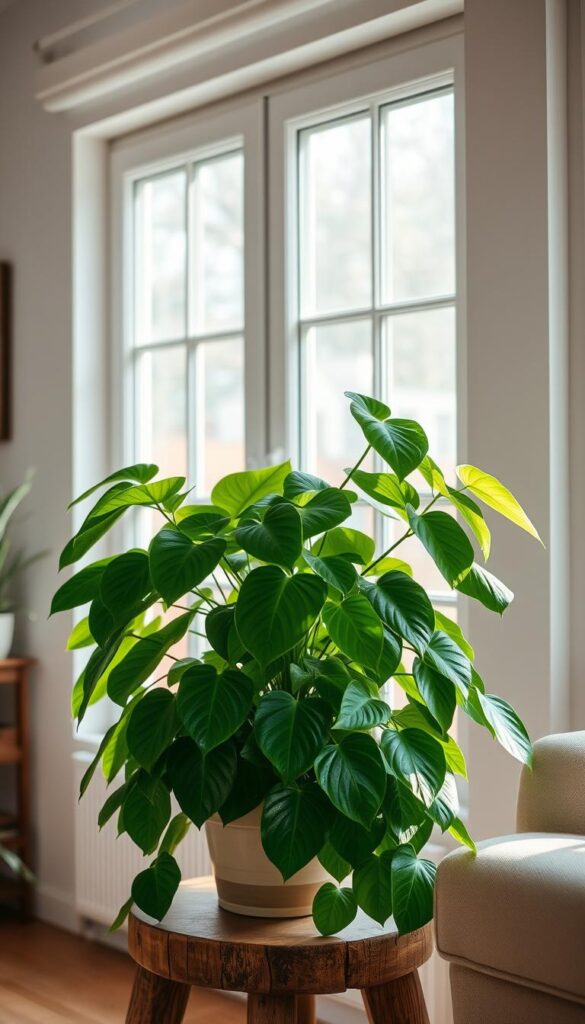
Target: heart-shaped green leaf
(386, 489)
(251, 784)
(353, 544)
(437, 692)
(333, 863)
(125, 583)
(294, 826)
(84, 586)
(326, 510)
(333, 908)
(447, 544)
(361, 707)
(220, 629)
(289, 732)
(274, 611)
(352, 841)
(401, 443)
(404, 606)
(153, 889)
(140, 473)
(237, 491)
(355, 628)
(486, 588)
(416, 759)
(156, 492)
(338, 572)
(201, 782)
(277, 539)
(147, 809)
(212, 707)
(413, 883)
(372, 885)
(143, 658)
(352, 775)
(151, 726)
(177, 564)
(299, 484)
(369, 406)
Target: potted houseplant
(278, 735)
(11, 565)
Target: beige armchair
(511, 920)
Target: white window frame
(210, 133)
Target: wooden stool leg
(396, 1002)
(306, 1010)
(271, 1008)
(156, 1000)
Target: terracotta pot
(247, 882)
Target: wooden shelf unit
(15, 825)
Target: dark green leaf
(444, 623)
(366, 404)
(355, 628)
(507, 726)
(251, 785)
(361, 707)
(114, 802)
(201, 782)
(404, 606)
(277, 539)
(401, 443)
(153, 889)
(352, 841)
(445, 807)
(220, 629)
(144, 657)
(147, 809)
(438, 693)
(413, 883)
(338, 572)
(177, 565)
(333, 863)
(81, 588)
(447, 544)
(295, 822)
(152, 726)
(97, 665)
(212, 707)
(121, 915)
(175, 833)
(125, 583)
(289, 732)
(447, 658)
(416, 759)
(333, 908)
(202, 525)
(352, 775)
(483, 586)
(88, 534)
(274, 611)
(297, 483)
(372, 885)
(90, 770)
(326, 510)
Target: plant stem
(386, 552)
(357, 466)
(218, 585)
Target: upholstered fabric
(552, 795)
(484, 999)
(517, 908)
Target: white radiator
(105, 866)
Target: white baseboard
(56, 907)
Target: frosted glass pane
(421, 377)
(220, 410)
(217, 244)
(417, 184)
(160, 296)
(335, 217)
(161, 426)
(338, 358)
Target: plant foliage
(286, 705)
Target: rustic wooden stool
(281, 964)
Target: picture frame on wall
(5, 350)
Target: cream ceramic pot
(6, 633)
(247, 882)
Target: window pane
(421, 377)
(219, 411)
(160, 258)
(217, 244)
(161, 428)
(338, 358)
(335, 216)
(417, 182)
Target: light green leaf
(372, 885)
(433, 476)
(153, 889)
(237, 491)
(445, 807)
(486, 588)
(361, 707)
(140, 474)
(355, 628)
(277, 539)
(459, 832)
(354, 544)
(474, 518)
(175, 833)
(386, 489)
(152, 726)
(509, 729)
(452, 629)
(370, 406)
(274, 611)
(80, 636)
(389, 564)
(493, 493)
(294, 826)
(404, 606)
(289, 732)
(333, 908)
(447, 544)
(155, 493)
(413, 883)
(201, 782)
(352, 775)
(416, 759)
(212, 707)
(144, 657)
(177, 565)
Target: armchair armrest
(552, 794)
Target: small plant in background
(12, 562)
(301, 624)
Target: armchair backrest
(552, 794)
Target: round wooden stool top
(198, 943)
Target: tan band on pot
(266, 896)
